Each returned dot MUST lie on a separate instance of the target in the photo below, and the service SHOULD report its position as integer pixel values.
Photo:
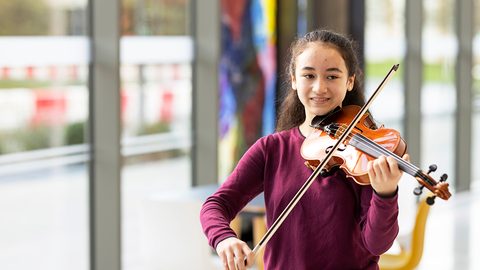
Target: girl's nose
(319, 87)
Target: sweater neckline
(298, 133)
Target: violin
(363, 144)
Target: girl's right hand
(235, 254)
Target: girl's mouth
(319, 99)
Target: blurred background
(120, 117)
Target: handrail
(77, 154)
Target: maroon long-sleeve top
(337, 224)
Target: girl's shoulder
(289, 134)
(282, 138)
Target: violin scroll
(439, 189)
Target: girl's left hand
(384, 174)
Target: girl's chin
(322, 111)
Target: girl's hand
(233, 253)
(384, 174)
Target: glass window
(43, 152)
(476, 98)
(384, 47)
(438, 107)
(385, 44)
(156, 92)
(438, 89)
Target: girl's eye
(308, 76)
(332, 77)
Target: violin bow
(283, 215)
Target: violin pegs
(418, 190)
(432, 168)
(431, 200)
(444, 177)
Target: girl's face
(321, 79)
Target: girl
(338, 224)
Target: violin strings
(371, 145)
(414, 171)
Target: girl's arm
(380, 206)
(242, 185)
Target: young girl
(337, 224)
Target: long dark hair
(292, 112)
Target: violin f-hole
(343, 147)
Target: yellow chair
(409, 258)
(259, 228)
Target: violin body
(363, 144)
(348, 157)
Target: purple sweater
(337, 224)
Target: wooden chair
(409, 257)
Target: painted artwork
(247, 77)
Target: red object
(6, 73)
(166, 106)
(30, 73)
(123, 103)
(50, 107)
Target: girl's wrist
(387, 195)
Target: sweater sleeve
(379, 221)
(241, 186)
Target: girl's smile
(319, 100)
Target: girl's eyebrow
(334, 69)
(308, 68)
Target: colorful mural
(247, 77)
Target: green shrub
(27, 139)
(154, 128)
(75, 133)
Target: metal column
(206, 31)
(463, 82)
(413, 78)
(105, 166)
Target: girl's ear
(350, 82)
(294, 82)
